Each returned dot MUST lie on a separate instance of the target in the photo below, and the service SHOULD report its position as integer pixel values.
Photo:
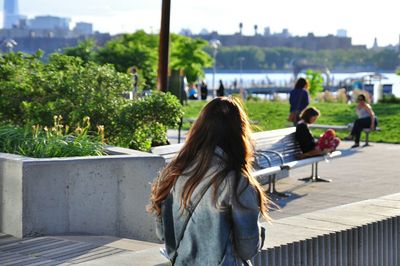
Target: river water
(286, 79)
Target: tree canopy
(140, 50)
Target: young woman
(328, 142)
(206, 201)
(366, 119)
(298, 99)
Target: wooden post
(163, 52)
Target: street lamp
(241, 88)
(215, 44)
(241, 59)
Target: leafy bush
(33, 92)
(56, 141)
(143, 123)
(390, 98)
(316, 81)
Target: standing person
(206, 200)
(203, 90)
(193, 92)
(221, 89)
(328, 142)
(135, 81)
(366, 119)
(299, 100)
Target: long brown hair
(222, 123)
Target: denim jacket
(228, 234)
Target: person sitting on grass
(327, 143)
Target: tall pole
(215, 44)
(163, 52)
(214, 70)
(241, 59)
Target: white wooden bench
(348, 127)
(276, 154)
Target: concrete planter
(103, 195)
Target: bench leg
(366, 139)
(272, 190)
(314, 175)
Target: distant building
(375, 46)
(48, 33)
(186, 32)
(11, 14)
(204, 32)
(267, 31)
(309, 42)
(83, 29)
(341, 33)
(49, 23)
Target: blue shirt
(298, 100)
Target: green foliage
(140, 49)
(84, 50)
(386, 59)
(391, 98)
(33, 92)
(316, 82)
(279, 58)
(56, 141)
(143, 123)
(228, 57)
(137, 49)
(273, 115)
(189, 54)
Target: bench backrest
(282, 141)
(279, 140)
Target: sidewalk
(370, 173)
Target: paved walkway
(369, 173)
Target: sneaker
(355, 146)
(349, 137)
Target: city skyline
(363, 22)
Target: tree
(386, 59)
(315, 80)
(84, 50)
(228, 57)
(138, 49)
(188, 54)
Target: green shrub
(56, 141)
(33, 92)
(143, 123)
(316, 81)
(390, 98)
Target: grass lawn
(273, 115)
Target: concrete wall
(103, 195)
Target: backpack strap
(190, 213)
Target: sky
(363, 20)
